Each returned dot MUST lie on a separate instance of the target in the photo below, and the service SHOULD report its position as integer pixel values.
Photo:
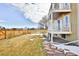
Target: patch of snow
(31, 39)
(74, 49)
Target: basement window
(63, 36)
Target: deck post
(51, 37)
(5, 33)
(52, 27)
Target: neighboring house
(62, 21)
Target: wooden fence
(9, 33)
(5, 34)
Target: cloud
(34, 11)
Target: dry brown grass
(22, 46)
(12, 33)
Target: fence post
(5, 33)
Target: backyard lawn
(25, 45)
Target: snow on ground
(74, 49)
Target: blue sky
(11, 16)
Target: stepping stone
(61, 50)
(53, 53)
(50, 53)
(66, 49)
(53, 47)
(58, 53)
(70, 54)
(48, 49)
(46, 46)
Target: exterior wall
(73, 36)
(74, 26)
